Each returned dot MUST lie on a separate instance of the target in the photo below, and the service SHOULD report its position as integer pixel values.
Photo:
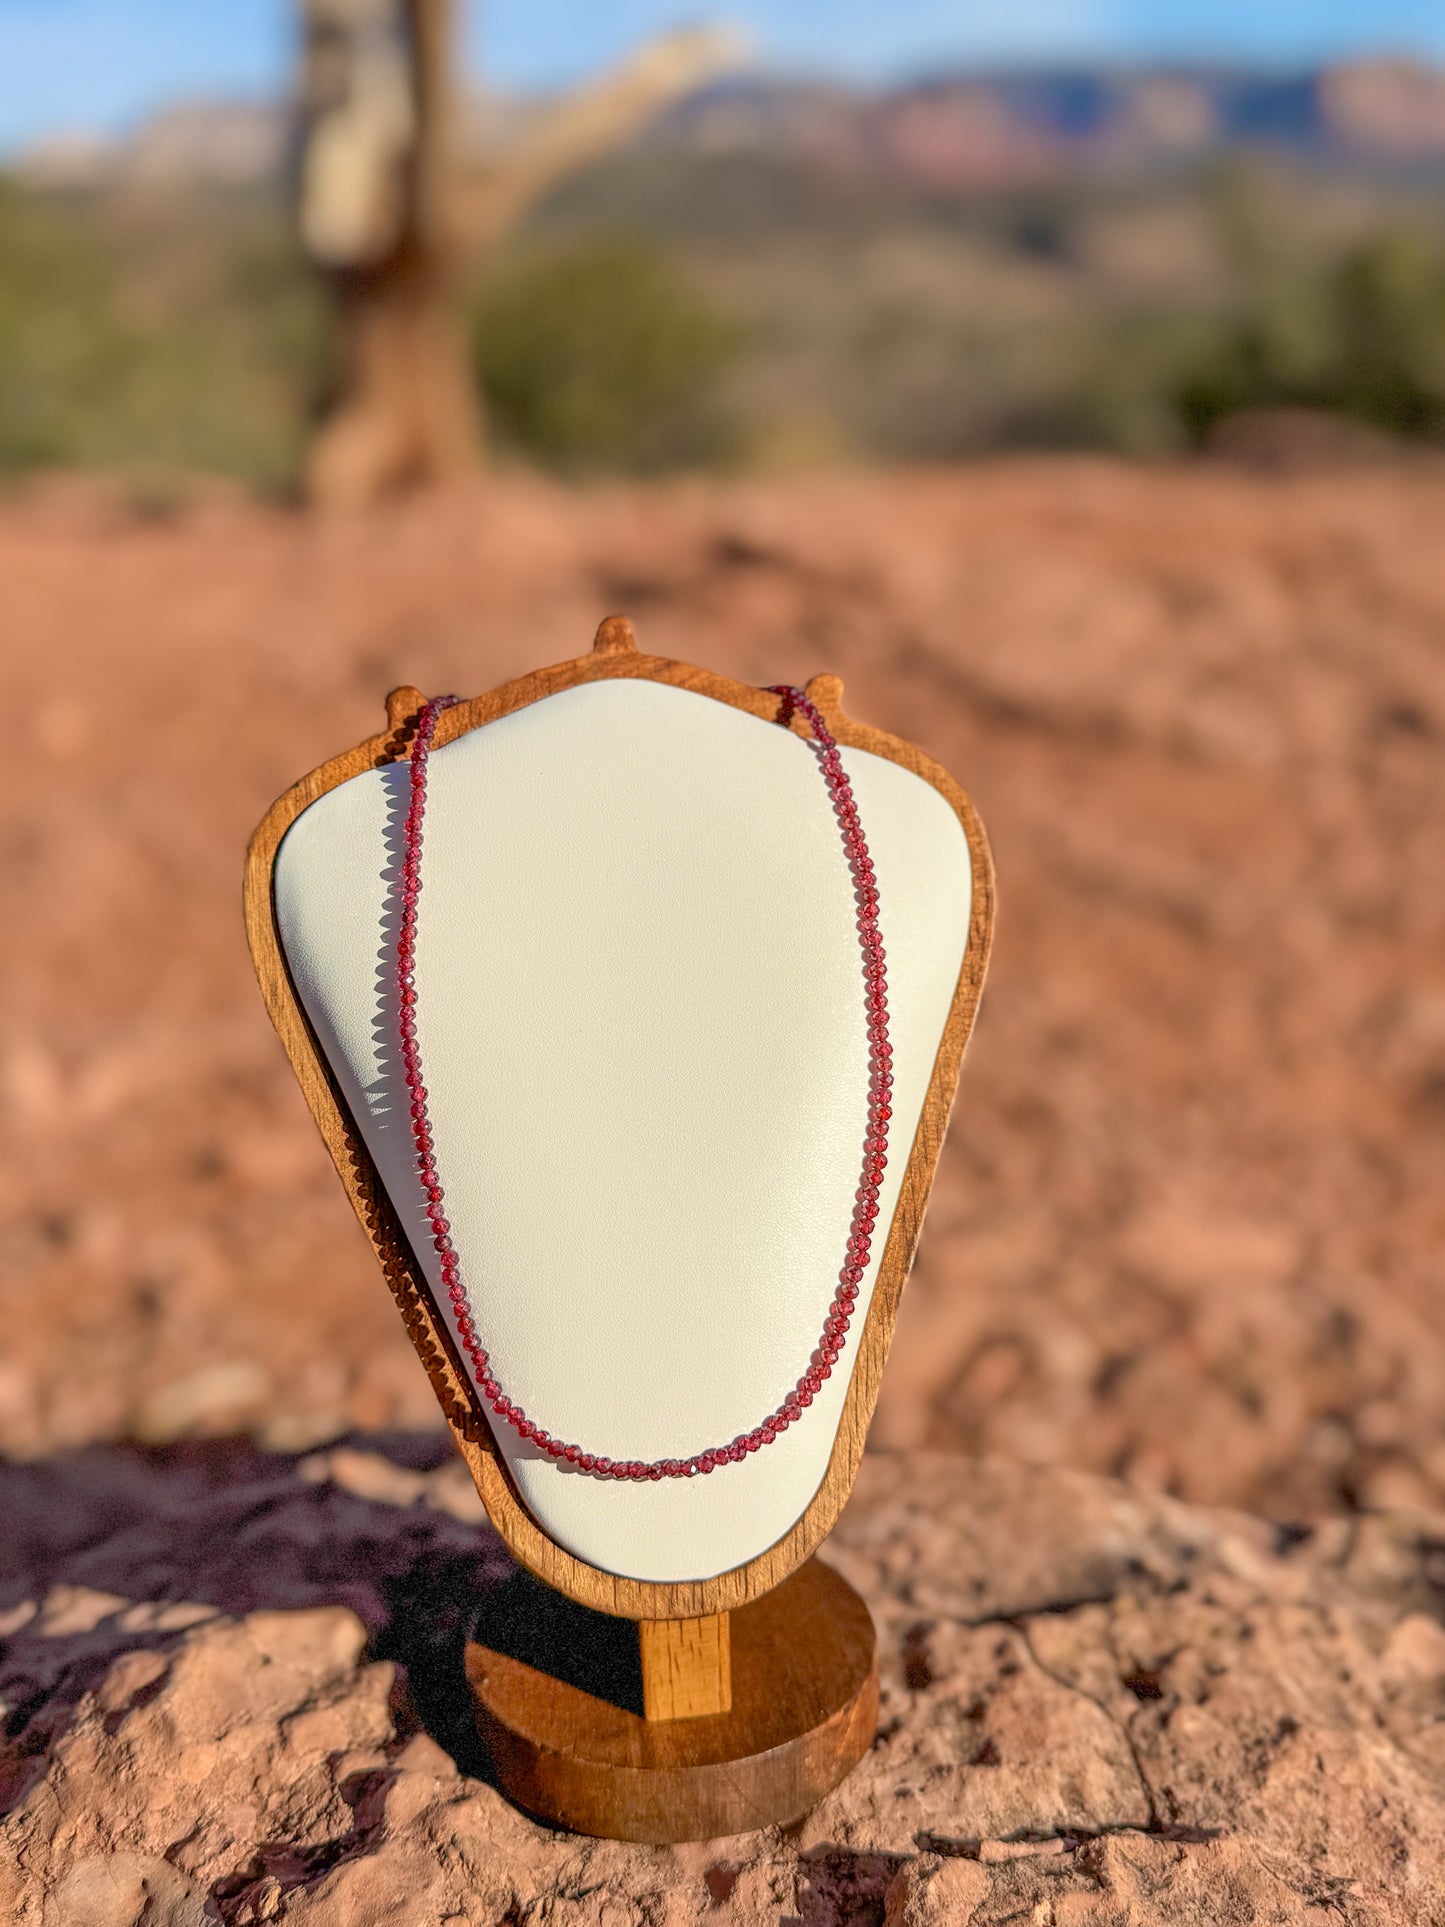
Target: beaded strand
(875, 1142)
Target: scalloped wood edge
(615, 654)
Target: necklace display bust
(648, 1061)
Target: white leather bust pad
(640, 1010)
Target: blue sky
(67, 64)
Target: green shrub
(1365, 337)
(600, 355)
(63, 345)
(192, 345)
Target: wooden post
(686, 1667)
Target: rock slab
(232, 1694)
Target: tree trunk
(405, 411)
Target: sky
(99, 65)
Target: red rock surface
(1189, 1221)
(235, 1692)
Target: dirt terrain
(1188, 1226)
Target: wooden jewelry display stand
(741, 1699)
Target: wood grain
(804, 1711)
(686, 1666)
(615, 654)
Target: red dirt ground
(1189, 1221)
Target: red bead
(571, 1454)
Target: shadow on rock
(120, 1548)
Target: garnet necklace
(875, 1139)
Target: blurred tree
(387, 214)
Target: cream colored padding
(640, 1009)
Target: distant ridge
(961, 131)
(202, 142)
(949, 133)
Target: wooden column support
(686, 1667)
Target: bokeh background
(1069, 377)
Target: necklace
(875, 1139)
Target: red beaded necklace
(875, 1141)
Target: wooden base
(559, 1702)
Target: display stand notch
(403, 706)
(614, 637)
(826, 693)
